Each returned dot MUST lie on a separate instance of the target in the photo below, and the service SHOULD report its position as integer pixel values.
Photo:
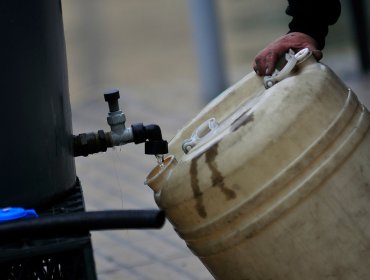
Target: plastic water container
(275, 183)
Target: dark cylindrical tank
(37, 162)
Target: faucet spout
(152, 136)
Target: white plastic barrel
(279, 188)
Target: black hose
(81, 223)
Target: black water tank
(35, 115)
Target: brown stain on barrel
(198, 195)
(217, 178)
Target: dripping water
(160, 161)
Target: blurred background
(148, 50)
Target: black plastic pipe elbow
(152, 136)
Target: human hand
(265, 61)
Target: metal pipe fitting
(90, 143)
(85, 144)
(116, 118)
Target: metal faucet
(95, 142)
(116, 119)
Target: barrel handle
(207, 127)
(292, 59)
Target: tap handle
(111, 96)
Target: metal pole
(208, 46)
(358, 12)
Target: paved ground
(145, 49)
